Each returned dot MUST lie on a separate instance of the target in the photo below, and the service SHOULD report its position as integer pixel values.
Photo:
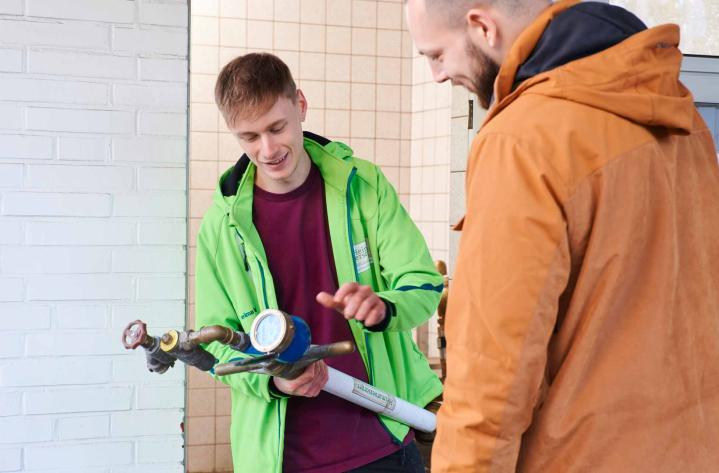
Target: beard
(484, 73)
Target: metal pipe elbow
(212, 333)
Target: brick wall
(93, 99)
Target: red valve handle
(134, 334)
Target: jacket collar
(325, 154)
(580, 31)
(520, 52)
(230, 183)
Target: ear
(301, 102)
(482, 27)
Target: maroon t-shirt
(324, 434)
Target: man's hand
(356, 302)
(308, 384)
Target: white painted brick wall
(11, 7)
(11, 289)
(10, 403)
(71, 63)
(73, 455)
(145, 40)
(162, 313)
(85, 232)
(23, 429)
(11, 116)
(23, 147)
(54, 372)
(163, 14)
(10, 459)
(42, 90)
(10, 61)
(148, 468)
(50, 401)
(22, 316)
(80, 178)
(163, 96)
(126, 372)
(57, 34)
(11, 348)
(52, 204)
(149, 204)
(83, 149)
(93, 113)
(143, 423)
(10, 233)
(112, 11)
(149, 150)
(54, 260)
(11, 175)
(74, 343)
(81, 316)
(157, 397)
(156, 451)
(83, 427)
(80, 121)
(162, 179)
(154, 289)
(150, 260)
(78, 288)
(172, 124)
(164, 70)
(159, 233)
(75, 470)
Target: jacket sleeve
(414, 286)
(513, 265)
(213, 307)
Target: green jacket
(233, 284)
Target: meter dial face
(269, 330)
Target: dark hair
(250, 85)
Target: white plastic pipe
(369, 397)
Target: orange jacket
(583, 319)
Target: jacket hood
(580, 31)
(601, 56)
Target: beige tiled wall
(429, 169)
(430, 156)
(355, 63)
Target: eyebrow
(281, 121)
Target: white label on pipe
(385, 400)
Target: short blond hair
(250, 85)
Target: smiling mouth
(276, 161)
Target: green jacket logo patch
(362, 257)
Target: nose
(438, 74)
(268, 146)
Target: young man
(583, 322)
(302, 225)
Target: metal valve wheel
(134, 334)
